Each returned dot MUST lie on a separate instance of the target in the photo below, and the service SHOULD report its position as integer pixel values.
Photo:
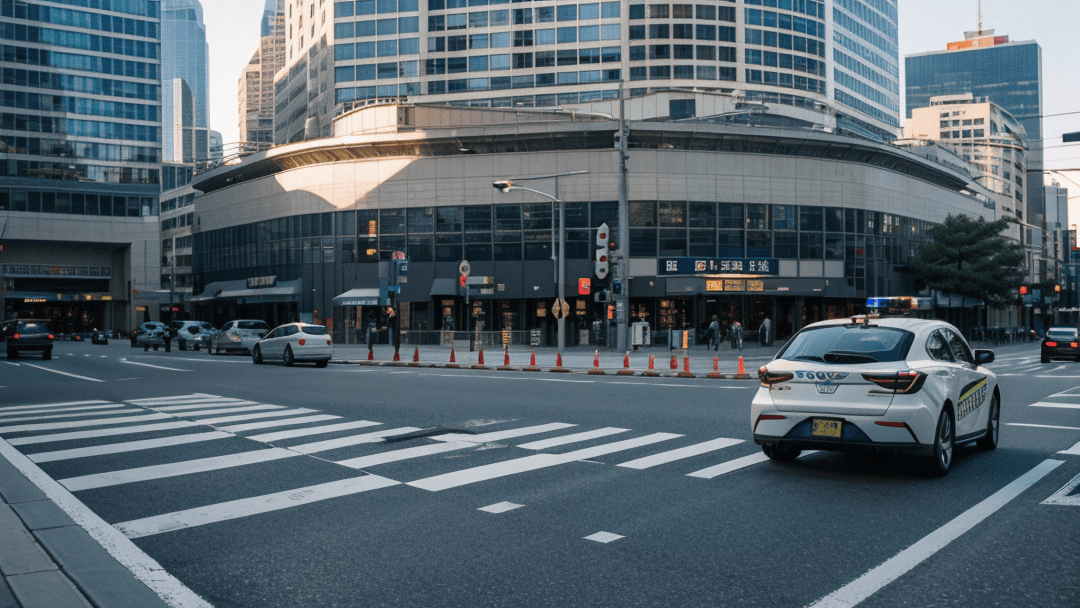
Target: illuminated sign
(742, 266)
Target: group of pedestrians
(714, 335)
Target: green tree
(968, 257)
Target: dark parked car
(22, 335)
(1060, 343)
(99, 336)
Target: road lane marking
(333, 444)
(53, 410)
(171, 369)
(1044, 426)
(176, 399)
(507, 434)
(372, 460)
(1062, 496)
(1073, 451)
(317, 430)
(230, 410)
(501, 507)
(201, 405)
(247, 507)
(544, 444)
(112, 411)
(604, 537)
(56, 371)
(141, 565)
(175, 469)
(1068, 406)
(734, 465)
(128, 446)
(77, 423)
(869, 583)
(242, 417)
(678, 454)
(52, 405)
(531, 463)
(127, 430)
(251, 426)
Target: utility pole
(622, 255)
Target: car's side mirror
(982, 356)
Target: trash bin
(640, 335)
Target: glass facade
(184, 56)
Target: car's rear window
(313, 330)
(850, 344)
(32, 327)
(252, 325)
(1061, 334)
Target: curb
(556, 370)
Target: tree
(970, 258)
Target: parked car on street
(238, 335)
(99, 336)
(294, 342)
(22, 335)
(150, 334)
(192, 334)
(869, 384)
(1060, 343)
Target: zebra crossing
(57, 434)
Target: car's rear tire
(288, 357)
(780, 454)
(993, 426)
(256, 355)
(181, 345)
(944, 446)
(322, 363)
(12, 353)
(46, 354)
(1044, 359)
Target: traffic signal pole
(622, 255)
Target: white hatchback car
(870, 384)
(294, 342)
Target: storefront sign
(685, 266)
(267, 281)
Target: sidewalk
(49, 561)
(578, 359)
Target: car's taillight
(16, 336)
(52, 338)
(302, 341)
(770, 378)
(900, 382)
(329, 341)
(1075, 345)
(1051, 344)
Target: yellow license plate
(826, 428)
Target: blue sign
(745, 266)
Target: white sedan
(294, 342)
(869, 384)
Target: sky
(232, 32)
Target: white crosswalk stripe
(251, 426)
(230, 410)
(128, 446)
(686, 452)
(274, 414)
(127, 430)
(197, 406)
(315, 430)
(4, 415)
(341, 442)
(545, 444)
(77, 423)
(50, 405)
(112, 411)
(202, 465)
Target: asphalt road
(503, 513)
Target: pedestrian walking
(714, 334)
(736, 335)
(763, 331)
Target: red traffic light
(462, 280)
(1023, 290)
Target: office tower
(547, 54)
(184, 57)
(256, 86)
(1003, 72)
(81, 162)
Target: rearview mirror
(982, 356)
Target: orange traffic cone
(596, 371)
(506, 358)
(397, 355)
(558, 364)
(452, 359)
(742, 370)
(370, 355)
(652, 368)
(625, 371)
(480, 361)
(674, 362)
(416, 355)
(652, 363)
(715, 373)
(686, 369)
(626, 360)
(532, 359)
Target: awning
(286, 291)
(444, 287)
(280, 293)
(361, 296)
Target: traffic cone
(715, 373)
(596, 371)
(742, 368)
(532, 364)
(506, 358)
(626, 360)
(453, 359)
(625, 371)
(370, 355)
(652, 364)
(416, 355)
(686, 369)
(558, 365)
(480, 361)
(742, 375)
(652, 368)
(674, 362)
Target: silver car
(192, 334)
(238, 336)
(294, 342)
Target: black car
(22, 335)
(1060, 343)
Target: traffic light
(1023, 290)
(602, 296)
(463, 280)
(1057, 288)
(616, 287)
(603, 262)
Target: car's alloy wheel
(780, 454)
(993, 426)
(944, 445)
(288, 356)
(256, 355)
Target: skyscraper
(80, 166)
(256, 86)
(184, 56)
(550, 54)
(1003, 72)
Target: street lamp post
(509, 186)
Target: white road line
(1073, 451)
(56, 371)
(171, 369)
(251, 426)
(679, 454)
(1069, 394)
(317, 430)
(1062, 496)
(1044, 426)
(203, 405)
(230, 410)
(127, 430)
(507, 434)
(128, 446)
(372, 460)
(332, 444)
(145, 568)
(173, 399)
(734, 465)
(109, 412)
(275, 414)
(51, 405)
(501, 507)
(1068, 406)
(175, 469)
(604, 537)
(530, 463)
(869, 583)
(544, 444)
(77, 423)
(246, 507)
(69, 411)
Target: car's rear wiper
(848, 357)
(808, 358)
